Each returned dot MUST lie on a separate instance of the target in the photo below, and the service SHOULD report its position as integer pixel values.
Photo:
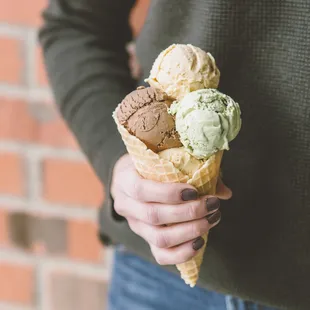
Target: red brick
(82, 241)
(22, 12)
(11, 63)
(56, 133)
(138, 15)
(16, 122)
(71, 182)
(3, 227)
(19, 123)
(41, 75)
(11, 176)
(17, 283)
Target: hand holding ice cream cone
(182, 143)
(171, 217)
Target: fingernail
(214, 217)
(189, 194)
(212, 204)
(198, 243)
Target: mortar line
(33, 177)
(52, 263)
(40, 151)
(35, 94)
(12, 306)
(40, 287)
(13, 30)
(63, 212)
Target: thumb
(222, 191)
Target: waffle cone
(151, 166)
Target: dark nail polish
(214, 217)
(198, 243)
(189, 194)
(212, 204)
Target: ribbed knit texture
(261, 249)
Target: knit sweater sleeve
(87, 63)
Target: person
(258, 257)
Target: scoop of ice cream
(144, 114)
(182, 160)
(207, 120)
(182, 68)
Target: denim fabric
(139, 285)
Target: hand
(150, 206)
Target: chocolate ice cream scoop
(144, 114)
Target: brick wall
(50, 257)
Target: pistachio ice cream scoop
(206, 120)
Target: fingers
(150, 191)
(170, 236)
(134, 186)
(127, 180)
(161, 214)
(178, 254)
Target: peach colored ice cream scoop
(183, 68)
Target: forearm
(87, 64)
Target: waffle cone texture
(150, 166)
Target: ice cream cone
(152, 167)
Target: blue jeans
(139, 285)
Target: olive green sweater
(261, 249)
